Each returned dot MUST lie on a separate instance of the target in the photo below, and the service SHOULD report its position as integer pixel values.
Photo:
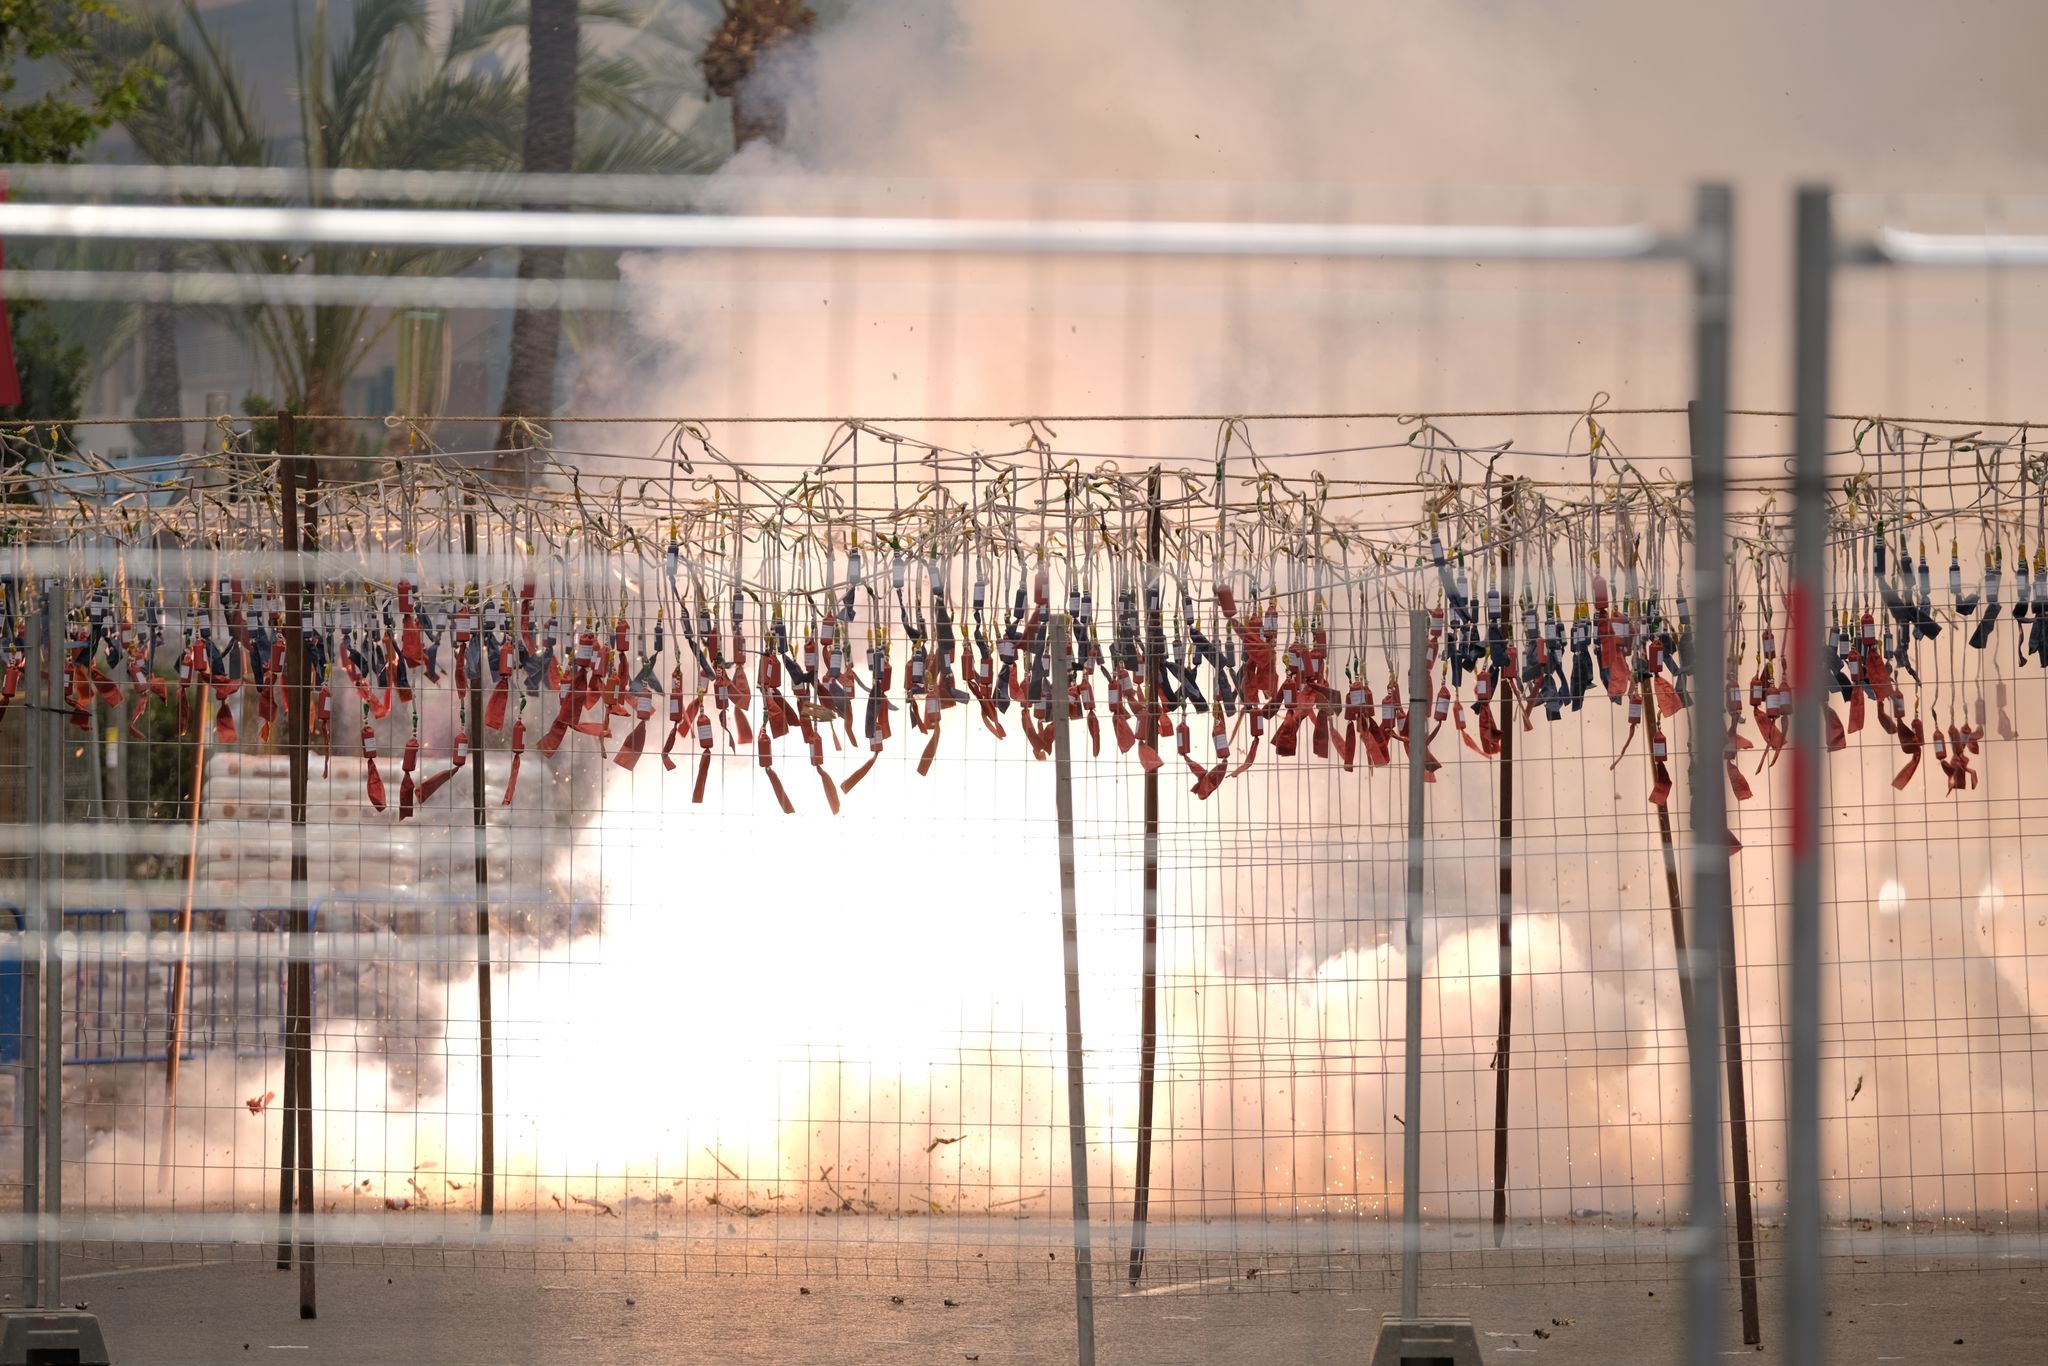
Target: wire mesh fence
(626, 949)
(473, 858)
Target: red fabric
(1738, 784)
(518, 750)
(373, 782)
(1667, 696)
(1911, 737)
(501, 694)
(629, 752)
(1660, 787)
(406, 766)
(774, 780)
(435, 782)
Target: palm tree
(752, 30)
(175, 123)
(391, 92)
(549, 149)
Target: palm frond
(616, 85)
(364, 65)
(231, 113)
(610, 145)
(390, 93)
(206, 110)
(478, 24)
(467, 123)
(626, 13)
(101, 328)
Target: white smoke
(780, 998)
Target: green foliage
(52, 371)
(55, 125)
(52, 368)
(262, 412)
(165, 776)
(403, 86)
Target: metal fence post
(1057, 641)
(29, 1096)
(56, 613)
(1739, 1165)
(1503, 1045)
(1411, 1128)
(1811, 318)
(1712, 289)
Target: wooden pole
(1148, 1010)
(296, 701)
(1738, 1136)
(1059, 640)
(181, 971)
(299, 535)
(1706, 709)
(487, 1140)
(1506, 892)
(1671, 892)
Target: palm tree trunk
(162, 383)
(550, 149)
(756, 117)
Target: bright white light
(1891, 897)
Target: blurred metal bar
(56, 613)
(1739, 1166)
(28, 1096)
(388, 291)
(345, 184)
(1411, 1125)
(1059, 643)
(186, 565)
(784, 232)
(1812, 301)
(1713, 296)
(1503, 1044)
(1904, 247)
(221, 288)
(584, 189)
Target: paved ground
(173, 1313)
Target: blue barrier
(10, 987)
(110, 1015)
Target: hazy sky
(1881, 95)
(1884, 95)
